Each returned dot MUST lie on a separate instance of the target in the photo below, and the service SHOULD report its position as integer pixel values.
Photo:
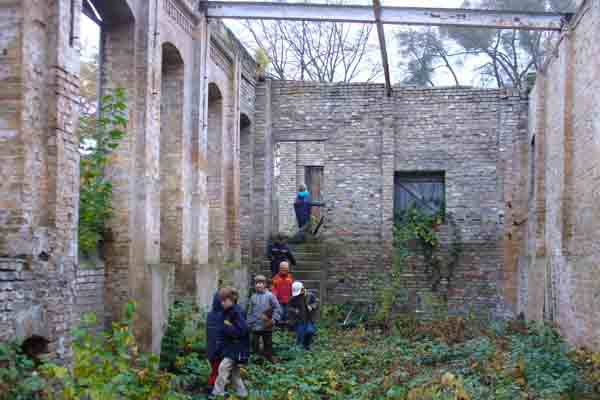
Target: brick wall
(562, 271)
(40, 171)
(160, 225)
(90, 292)
(362, 137)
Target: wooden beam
(382, 47)
(496, 19)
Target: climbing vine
(100, 135)
(418, 233)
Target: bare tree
(325, 51)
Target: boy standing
(214, 339)
(236, 345)
(282, 288)
(263, 311)
(302, 309)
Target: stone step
(300, 266)
(307, 275)
(305, 249)
(301, 255)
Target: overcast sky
(90, 39)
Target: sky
(91, 34)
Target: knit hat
(297, 288)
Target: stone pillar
(286, 187)
(118, 70)
(263, 170)
(39, 169)
(204, 285)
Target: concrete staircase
(309, 269)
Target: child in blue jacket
(235, 347)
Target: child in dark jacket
(214, 339)
(235, 347)
(302, 310)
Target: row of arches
(160, 216)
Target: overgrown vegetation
(109, 366)
(417, 237)
(450, 358)
(19, 379)
(183, 346)
(100, 135)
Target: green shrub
(19, 379)
(541, 357)
(110, 366)
(99, 137)
(185, 335)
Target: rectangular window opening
(425, 191)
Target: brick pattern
(562, 245)
(361, 137)
(90, 293)
(119, 71)
(39, 61)
(40, 172)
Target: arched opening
(107, 38)
(34, 347)
(216, 217)
(246, 187)
(171, 157)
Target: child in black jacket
(235, 347)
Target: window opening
(422, 190)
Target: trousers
(304, 334)
(229, 370)
(267, 341)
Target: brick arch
(171, 156)
(216, 193)
(246, 189)
(118, 70)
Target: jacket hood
(216, 306)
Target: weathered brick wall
(295, 157)
(365, 137)
(563, 270)
(90, 292)
(40, 171)
(158, 236)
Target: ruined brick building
(212, 157)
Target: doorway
(314, 183)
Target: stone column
(39, 169)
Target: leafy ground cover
(448, 359)
(451, 359)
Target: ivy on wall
(100, 135)
(417, 233)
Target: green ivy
(417, 231)
(99, 137)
